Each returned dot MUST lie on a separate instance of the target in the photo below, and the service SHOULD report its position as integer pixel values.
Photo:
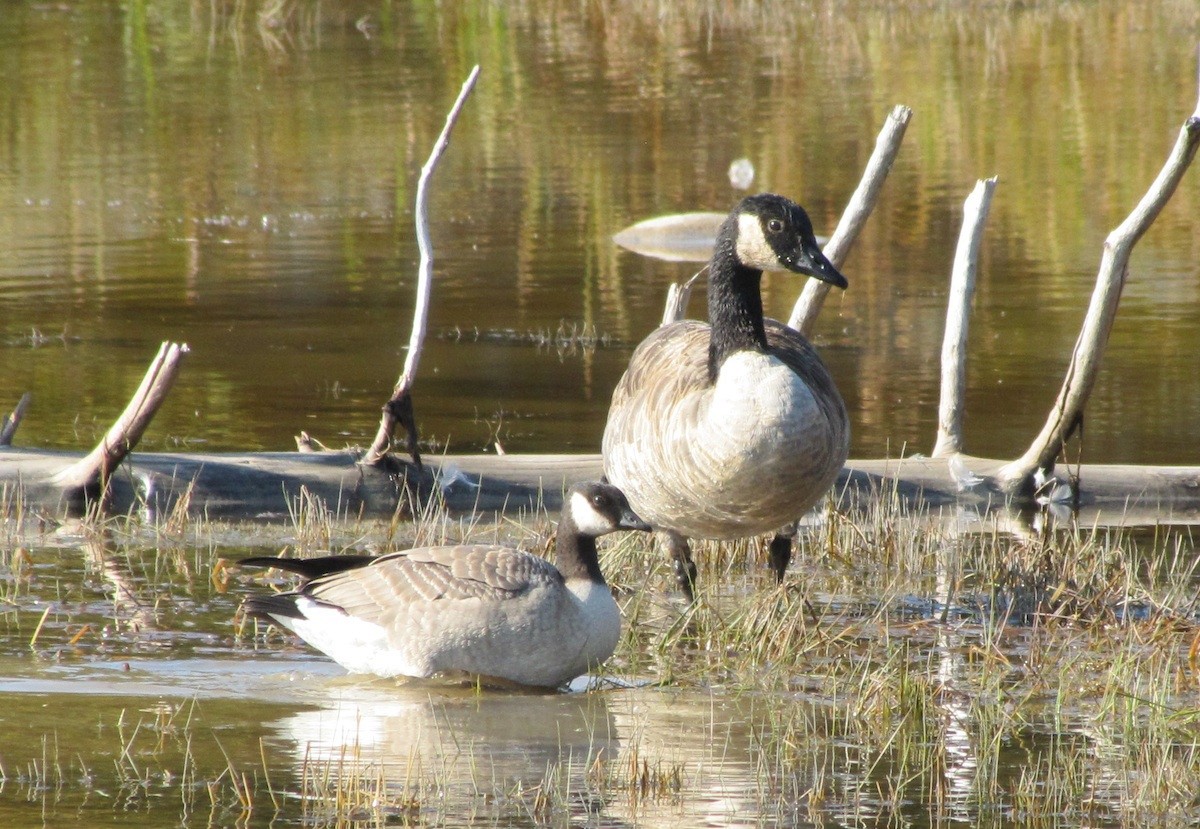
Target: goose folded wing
(668, 364)
(432, 574)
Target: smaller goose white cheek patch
(752, 247)
(587, 520)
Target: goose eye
(774, 225)
(599, 501)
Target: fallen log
(269, 485)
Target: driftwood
(692, 232)
(678, 296)
(268, 485)
(271, 485)
(1067, 413)
(13, 421)
(89, 475)
(679, 237)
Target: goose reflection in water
(633, 756)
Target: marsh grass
(352, 789)
(905, 672)
(1049, 673)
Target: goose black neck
(575, 554)
(735, 309)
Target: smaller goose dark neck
(575, 554)
(735, 310)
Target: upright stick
(887, 145)
(399, 408)
(1067, 413)
(98, 465)
(14, 420)
(678, 294)
(958, 313)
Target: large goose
(489, 612)
(733, 428)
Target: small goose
(490, 612)
(733, 428)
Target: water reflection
(461, 743)
(186, 174)
(130, 611)
(627, 757)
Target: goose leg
(681, 555)
(781, 551)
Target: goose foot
(781, 552)
(681, 554)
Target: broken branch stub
(14, 420)
(678, 295)
(93, 470)
(1067, 413)
(855, 216)
(958, 315)
(399, 408)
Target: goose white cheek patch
(587, 520)
(753, 249)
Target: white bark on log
(958, 315)
(887, 145)
(399, 408)
(14, 420)
(95, 469)
(1017, 476)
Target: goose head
(593, 509)
(590, 510)
(763, 233)
(773, 233)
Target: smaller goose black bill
(630, 521)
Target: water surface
(134, 695)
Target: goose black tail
(310, 568)
(270, 608)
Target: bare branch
(1084, 367)
(678, 294)
(98, 465)
(14, 420)
(399, 408)
(887, 145)
(958, 314)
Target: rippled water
(189, 172)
